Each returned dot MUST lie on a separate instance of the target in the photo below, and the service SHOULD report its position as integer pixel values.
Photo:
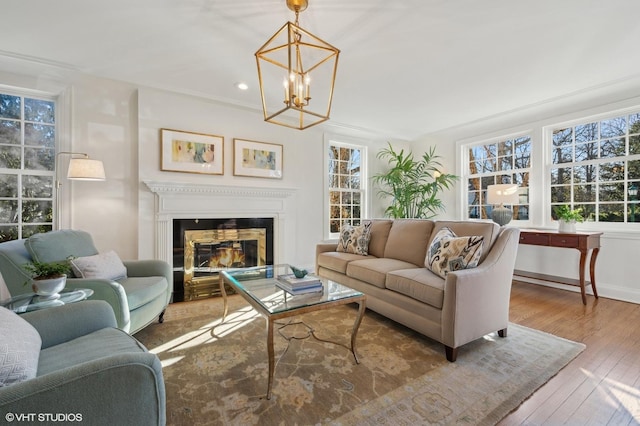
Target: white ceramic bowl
(49, 289)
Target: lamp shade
(502, 194)
(85, 169)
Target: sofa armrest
(64, 323)
(323, 248)
(118, 390)
(111, 292)
(476, 301)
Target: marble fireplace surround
(179, 200)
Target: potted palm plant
(48, 278)
(413, 186)
(568, 217)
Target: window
(346, 185)
(506, 160)
(27, 163)
(595, 167)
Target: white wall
(303, 156)
(99, 118)
(120, 124)
(616, 274)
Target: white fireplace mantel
(202, 201)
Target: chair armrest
(151, 268)
(119, 389)
(64, 323)
(111, 292)
(148, 268)
(476, 301)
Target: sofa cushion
(59, 245)
(379, 235)
(374, 271)
(467, 228)
(448, 252)
(142, 290)
(19, 349)
(408, 240)
(355, 239)
(337, 261)
(418, 283)
(104, 265)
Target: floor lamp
(80, 168)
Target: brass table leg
(272, 363)
(224, 298)
(356, 326)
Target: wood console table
(582, 241)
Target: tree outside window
(503, 161)
(27, 165)
(595, 167)
(346, 185)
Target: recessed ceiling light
(242, 86)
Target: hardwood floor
(602, 385)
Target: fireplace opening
(204, 247)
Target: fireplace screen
(207, 252)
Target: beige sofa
(455, 310)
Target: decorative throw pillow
(448, 252)
(20, 346)
(355, 239)
(104, 265)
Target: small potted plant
(568, 218)
(48, 278)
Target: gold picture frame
(191, 152)
(257, 159)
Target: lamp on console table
(502, 194)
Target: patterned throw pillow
(19, 349)
(448, 252)
(355, 239)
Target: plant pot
(567, 226)
(48, 289)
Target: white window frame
(62, 100)
(352, 143)
(548, 166)
(463, 148)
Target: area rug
(216, 372)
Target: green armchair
(137, 297)
(74, 363)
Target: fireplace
(204, 247)
(179, 206)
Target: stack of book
(293, 285)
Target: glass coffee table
(257, 286)
(32, 302)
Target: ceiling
(407, 67)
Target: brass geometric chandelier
(291, 63)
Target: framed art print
(192, 152)
(257, 159)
